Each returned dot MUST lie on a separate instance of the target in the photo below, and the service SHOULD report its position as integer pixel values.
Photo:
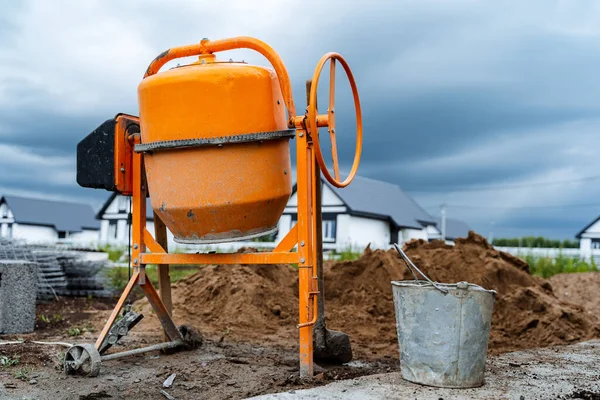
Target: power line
(503, 187)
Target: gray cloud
(454, 93)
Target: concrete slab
(18, 287)
(562, 372)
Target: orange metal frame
(145, 249)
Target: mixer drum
(216, 146)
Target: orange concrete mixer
(211, 149)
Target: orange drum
(216, 150)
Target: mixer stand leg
(139, 277)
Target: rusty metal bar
(152, 244)
(161, 311)
(117, 309)
(220, 258)
(142, 350)
(242, 42)
(288, 242)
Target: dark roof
(62, 215)
(455, 228)
(149, 211)
(370, 197)
(578, 236)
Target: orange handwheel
(314, 121)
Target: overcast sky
(477, 104)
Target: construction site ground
(543, 342)
(562, 372)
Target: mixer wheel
(313, 121)
(82, 359)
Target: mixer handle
(243, 42)
(314, 121)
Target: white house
(114, 225)
(589, 240)
(367, 211)
(46, 221)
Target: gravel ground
(562, 372)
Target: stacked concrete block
(18, 288)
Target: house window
(9, 231)
(329, 230)
(62, 234)
(112, 229)
(595, 243)
(328, 227)
(122, 203)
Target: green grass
(347, 254)
(536, 241)
(547, 266)
(6, 361)
(117, 276)
(23, 373)
(114, 252)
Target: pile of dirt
(245, 302)
(259, 303)
(580, 288)
(527, 313)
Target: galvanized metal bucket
(443, 330)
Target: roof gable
(588, 226)
(113, 197)
(62, 215)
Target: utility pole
(443, 222)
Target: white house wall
(86, 236)
(406, 235)
(585, 242)
(585, 247)
(4, 209)
(34, 233)
(359, 232)
(283, 226)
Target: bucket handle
(410, 266)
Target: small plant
(227, 331)
(78, 331)
(6, 361)
(55, 319)
(74, 331)
(23, 373)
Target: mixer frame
(146, 249)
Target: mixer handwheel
(83, 359)
(314, 123)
